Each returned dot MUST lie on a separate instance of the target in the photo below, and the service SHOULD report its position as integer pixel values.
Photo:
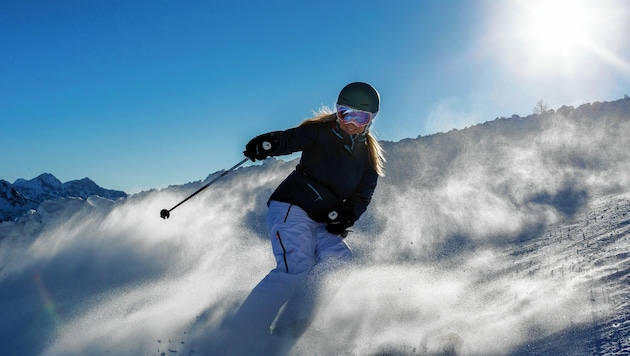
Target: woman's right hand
(261, 146)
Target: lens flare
(49, 305)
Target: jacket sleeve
(295, 139)
(362, 196)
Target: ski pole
(165, 214)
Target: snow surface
(507, 238)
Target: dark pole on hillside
(166, 213)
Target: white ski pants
(304, 252)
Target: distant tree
(541, 107)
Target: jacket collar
(349, 140)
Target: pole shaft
(209, 183)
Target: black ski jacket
(334, 169)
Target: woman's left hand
(339, 220)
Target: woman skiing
(311, 210)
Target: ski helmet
(361, 96)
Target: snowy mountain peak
(24, 195)
(43, 185)
(10, 200)
(44, 178)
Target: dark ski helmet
(361, 96)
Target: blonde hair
(376, 152)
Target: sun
(557, 27)
(561, 36)
(558, 33)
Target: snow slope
(507, 238)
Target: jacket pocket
(314, 198)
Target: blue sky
(146, 94)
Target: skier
(311, 210)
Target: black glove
(261, 146)
(339, 219)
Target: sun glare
(557, 34)
(562, 36)
(557, 26)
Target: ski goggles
(357, 117)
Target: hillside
(505, 238)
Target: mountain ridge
(21, 196)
